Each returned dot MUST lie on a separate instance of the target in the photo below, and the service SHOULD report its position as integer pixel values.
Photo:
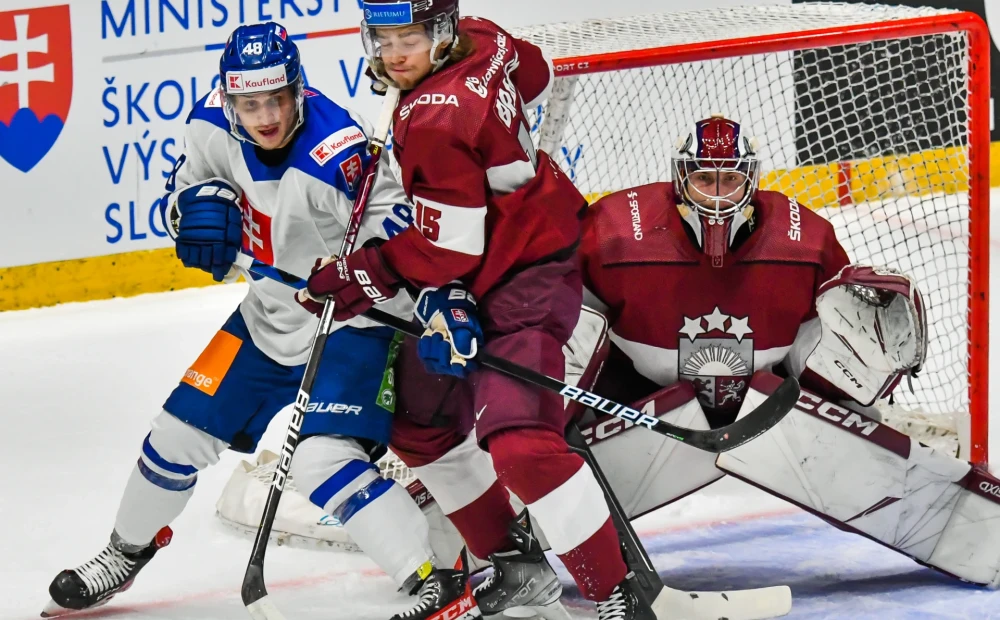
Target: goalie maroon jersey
(486, 203)
(677, 317)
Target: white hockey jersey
(295, 210)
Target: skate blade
(553, 611)
(54, 610)
(752, 604)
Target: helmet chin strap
(437, 63)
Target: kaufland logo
(340, 143)
(36, 82)
(260, 80)
(267, 83)
(335, 143)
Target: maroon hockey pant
(527, 320)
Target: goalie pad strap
(647, 470)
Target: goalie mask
(386, 32)
(715, 177)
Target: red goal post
(912, 193)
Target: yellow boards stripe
(100, 277)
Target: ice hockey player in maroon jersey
(498, 222)
(709, 286)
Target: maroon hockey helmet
(438, 17)
(715, 176)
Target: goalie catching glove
(452, 334)
(874, 331)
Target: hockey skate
(94, 583)
(444, 594)
(624, 604)
(523, 584)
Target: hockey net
(874, 116)
(877, 117)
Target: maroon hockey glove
(356, 283)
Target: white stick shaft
(385, 116)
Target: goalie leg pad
(646, 470)
(867, 478)
(164, 477)
(378, 514)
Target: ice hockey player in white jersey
(271, 168)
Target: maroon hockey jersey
(677, 317)
(486, 202)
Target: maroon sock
(484, 523)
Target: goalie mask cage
(875, 116)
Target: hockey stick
(254, 591)
(752, 425)
(747, 604)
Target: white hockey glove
(874, 331)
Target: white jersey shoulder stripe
(510, 177)
(459, 229)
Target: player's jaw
(408, 71)
(270, 136)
